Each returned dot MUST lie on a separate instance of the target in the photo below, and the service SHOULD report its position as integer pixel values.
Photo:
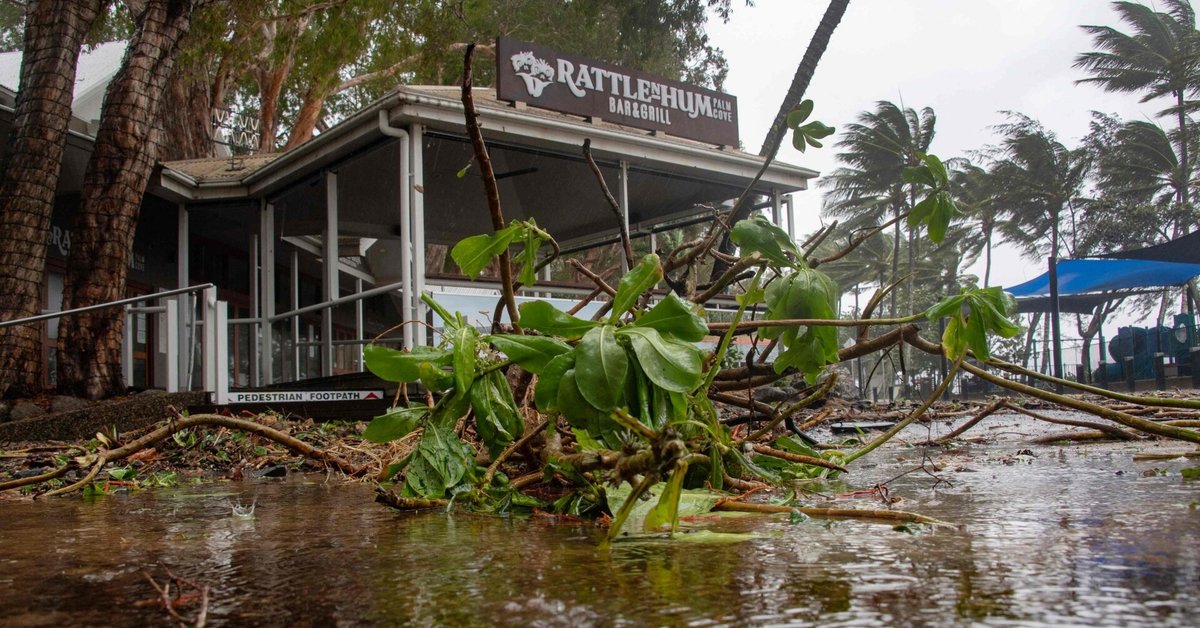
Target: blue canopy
(1080, 276)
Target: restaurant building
(315, 251)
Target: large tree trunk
(804, 73)
(306, 121)
(800, 81)
(54, 34)
(89, 344)
(188, 130)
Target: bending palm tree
(1161, 57)
(1040, 179)
(875, 150)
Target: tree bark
(306, 120)
(800, 81)
(188, 130)
(54, 34)
(89, 344)
(804, 74)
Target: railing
(173, 316)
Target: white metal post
(127, 348)
(417, 204)
(182, 279)
(295, 277)
(170, 321)
(329, 283)
(252, 260)
(358, 325)
(209, 345)
(776, 209)
(407, 248)
(791, 214)
(221, 365)
(623, 201)
(266, 268)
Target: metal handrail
(100, 306)
(336, 302)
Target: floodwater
(1078, 535)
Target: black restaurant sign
(546, 78)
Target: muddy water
(1068, 536)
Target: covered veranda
(320, 249)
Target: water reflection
(1061, 537)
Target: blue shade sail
(1081, 276)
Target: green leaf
(638, 280)
(450, 409)
(391, 365)
(918, 175)
(497, 420)
(543, 317)
(466, 355)
(922, 211)
(954, 338)
(757, 235)
(797, 116)
(394, 424)
(440, 462)
(666, 512)
(675, 317)
(755, 295)
(670, 364)
(949, 306)
(473, 254)
(799, 142)
(546, 393)
(584, 440)
(449, 321)
(578, 411)
(976, 336)
(939, 219)
(122, 474)
(533, 353)
(937, 169)
(601, 367)
(691, 503)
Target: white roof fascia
(706, 162)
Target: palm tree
(1161, 57)
(875, 150)
(975, 192)
(1039, 179)
(1141, 167)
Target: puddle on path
(1070, 535)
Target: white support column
(295, 277)
(209, 345)
(127, 348)
(170, 321)
(358, 325)
(776, 209)
(407, 299)
(252, 260)
(417, 205)
(266, 269)
(329, 275)
(187, 312)
(221, 365)
(791, 214)
(623, 201)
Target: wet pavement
(1073, 535)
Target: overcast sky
(967, 59)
